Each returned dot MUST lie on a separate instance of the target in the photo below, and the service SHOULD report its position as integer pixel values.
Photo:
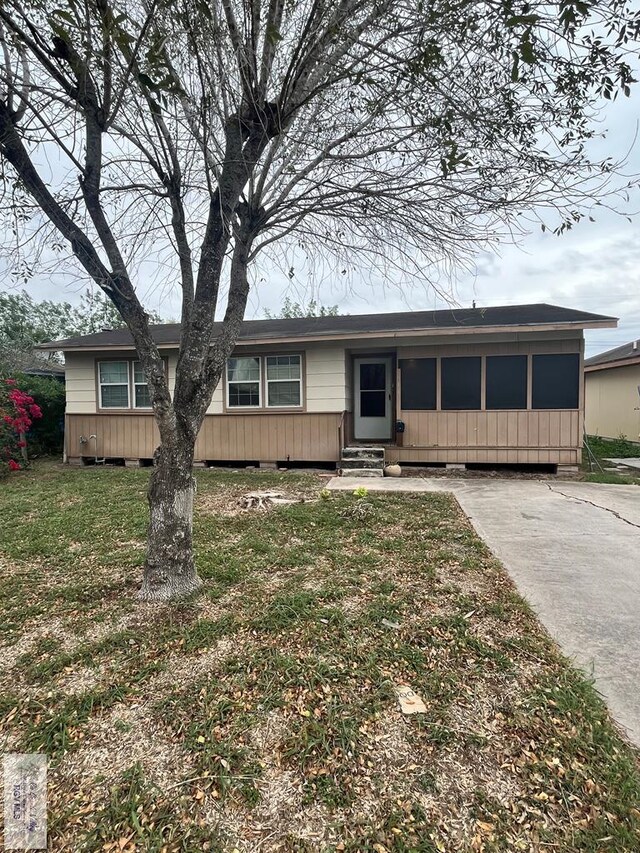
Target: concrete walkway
(574, 551)
(631, 462)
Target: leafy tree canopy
(291, 309)
(25, 322)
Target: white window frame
(133, 386)
(102, 384)
(267, 381)
(252, 407)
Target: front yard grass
(261, 716)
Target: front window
(243, 382)
(284, 380)
(141, 395)
(114, 384)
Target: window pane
(284, 393)
(283, 367)
(418, 383)
(373, 404)
(143, 397)
(138, 373)
(556, 381)
(506, 382)
(373, 377)
(243, 369)
(244, 394)
(460, 382)
(114, 371)
(115, 396)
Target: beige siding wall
(611, 401)
(325, 388)
(326, 382)
(80, 379)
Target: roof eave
(608, 365)
(604, 323)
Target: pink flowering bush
(17, 412)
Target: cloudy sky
(595, 267)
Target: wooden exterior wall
(532, 436)
(312, 437)
(536, 437)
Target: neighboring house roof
(56, 372)
(448, 321)
(618, 357)
(32, 363)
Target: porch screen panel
(556, 381)
(460, 382)
(506, 382)
(417, 384)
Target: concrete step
(369, 462)
(362, 472)
(363, 452)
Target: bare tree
(200, 133)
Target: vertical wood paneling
(497, 429)
(269, 438)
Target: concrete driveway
(574, 551)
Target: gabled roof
(618, 357)
(449, 321)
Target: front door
(373, 405)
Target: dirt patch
(49, 628)
(126, 736)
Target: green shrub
(616, 448)
(46, 436)
(18, 411)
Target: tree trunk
(169, 571)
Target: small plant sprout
(361, 492)
(325, 494)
